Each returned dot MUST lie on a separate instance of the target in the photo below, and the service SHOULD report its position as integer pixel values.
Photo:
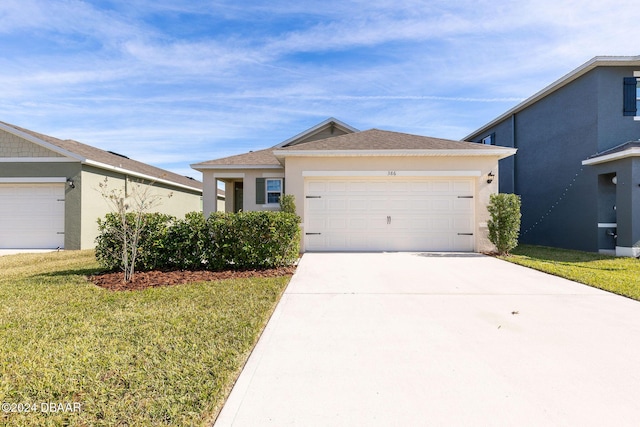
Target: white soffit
(498, 152)
(629, 152)
(395, 173)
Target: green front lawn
(162, 356)
(614, 274)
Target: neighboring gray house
(578, 162)
(49, 194)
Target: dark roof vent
(117, 154)
(188, 177)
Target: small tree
(504, 225)
(288, 203)
(137, 200)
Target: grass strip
(619, 275)
(161, 356)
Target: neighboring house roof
(628, 149)
(103, 159)
(598, 61)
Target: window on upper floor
(631, 96)
(489, 139)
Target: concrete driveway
(404, 339)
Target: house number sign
(391, 173)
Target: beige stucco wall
(295, 166)
(248, 177)
(94, 206)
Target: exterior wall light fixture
(70, 182)
(490, 177)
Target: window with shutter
(631, 97)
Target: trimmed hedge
(245, 240)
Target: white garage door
(31, 216)
(398, 214)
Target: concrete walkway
(25, 251)
(401, 339)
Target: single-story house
(49, 189)
(373, 190)
(578, 164)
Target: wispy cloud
(163, 80)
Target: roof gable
(325, 129)
(17, 147)
(261, 159)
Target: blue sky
(175, 82)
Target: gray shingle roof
(376, 139)
(257, 158)
(617, 149)
(97, 155)
(373, 139)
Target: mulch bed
(150, 279)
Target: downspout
(515, 158)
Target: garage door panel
(316, 187)
(434, 214)
(463, 205)
(441, 205)
(465, 186)
(337, 187)
(463, 224)
(357, 187)
(400, 204)
(337, 224)
(377, 223)
(441, 187)
(336, 204)
(358, 223)
(377, 187)
(359, 203)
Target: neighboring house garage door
(31, 216)
(397, 214)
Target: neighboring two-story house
(578, 163)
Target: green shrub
(252, 240)
(150, 255)
(288, 203)
(504, 225)
(185, 242)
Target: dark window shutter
(630, 84)
(283, 187)
(260, 190)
